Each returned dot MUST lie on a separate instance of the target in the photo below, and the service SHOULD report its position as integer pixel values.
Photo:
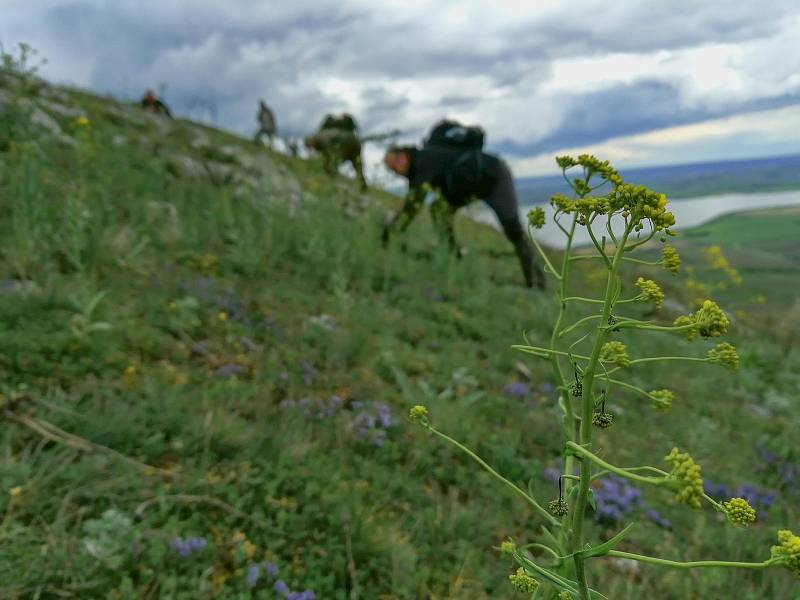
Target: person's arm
(415, 200)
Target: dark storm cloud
(219, 58)
(631, 109)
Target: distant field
(762, 245)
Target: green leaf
(591, 499)
(606, 547)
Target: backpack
(455, 135)
(462, 177)
(345, 122)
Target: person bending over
(452, 162)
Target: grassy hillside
(206, 358)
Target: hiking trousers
(502, 199)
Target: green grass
(314, 307)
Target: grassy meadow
(207, 358)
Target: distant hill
(685, 181)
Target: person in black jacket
(460, 177)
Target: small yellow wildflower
(129, 375)
(522, 582)
(15, 492)
(670, 259)
(222, 316)
(739, 512)
(788, 550)
(418, 414)
(725, 354)
(249, 549)
(508, 546)
(651, 292)
(662, 399)
(687, 474)
(615, 352)
(536, 217)
(82, 121)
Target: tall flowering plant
(588, 364)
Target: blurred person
(337, 140)
(452, 163)
(266, 122)
(154, 104)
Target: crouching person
(452, 162)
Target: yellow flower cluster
(418, 414)
(708, 321)
(558, 507)
(670, 259)
(522, 582)
(650, 291)
(739, 512)
(662, 399)
(536, 217)
(788, 550)
(687, 473)
(725, 354)
(564, 596)
(508, 546)
(615, 352)
(592, 204)
(711, 321)
(718, 261)
(129, 376)
(592, 165)
(562, 203)
(639, 204)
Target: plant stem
(577, 324)
(543, 255)
(576, 540)
(692, 564)
(536, 506)
(583, 452)
(657, 358)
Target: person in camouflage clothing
(337, 140)
(266, 123)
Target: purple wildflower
(552, 473)
(718, 491)
(187, 547)
(309, 372)
(518, 389)
(615, 497)
(253, 573)
(281, 587)
(658, 519)
(384, 415)
(270, 568)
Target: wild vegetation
(206, 360)
(591, 365)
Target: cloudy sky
(640, 83)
